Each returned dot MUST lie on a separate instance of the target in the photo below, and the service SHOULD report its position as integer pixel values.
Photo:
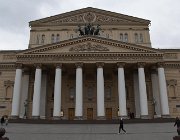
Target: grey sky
(15, 15)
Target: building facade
(90, 64)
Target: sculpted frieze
(88, 47)
(90, 17)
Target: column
(121, 90)
(163, 91)
(43, 98)
(142, 91)
(17, 92)
(24, 95)
(136, 94)
(79, 90)
(100, 91)
(37, 93)
(57, 92)
(155, 90)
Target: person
(121, 126)
(6, 120)
(2, 120)
(177, 123)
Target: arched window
(125, 37)
(52, 38)
(57, 38)
(108, 92)
(121, 37)
(72, 93)
(90, 93)
(136, 37)
(43, 39)
(141, 38)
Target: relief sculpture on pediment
(89, 48)
(88, 17)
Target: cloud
(164, 16)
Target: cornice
(95, 56)
(172, 65)
(98, 40)
(7, 66)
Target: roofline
(86, 9)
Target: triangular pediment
(89, 44)
(90, 15)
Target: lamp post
(25, 108)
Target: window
(52, 38)
(121, 37)
(141, 38)
(9, 92)
(136, 37)
(57, 38)
(108, 92)
(172, 91)
(72, 93)
(125, 37)
(43, 39)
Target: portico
(76, 88)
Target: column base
(56, 118)
(101, 118)
(144, 116)
(165, 116)
(78, 118)
(14, 117)
(35, 117)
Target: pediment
(90, 15)
(89, 44)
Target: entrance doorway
(109, 113)
(71, 113)
(89, 113)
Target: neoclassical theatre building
(90, 64)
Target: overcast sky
(15, 15)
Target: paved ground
(146, 131)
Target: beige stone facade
(56, 41)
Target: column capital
(121, 64)
(38, 65)
(160, 64)
(58, 65)
(141, 64)
(100, 64)
(79, 65)
(18, 65)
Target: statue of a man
(81, 31)
(97, 30)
